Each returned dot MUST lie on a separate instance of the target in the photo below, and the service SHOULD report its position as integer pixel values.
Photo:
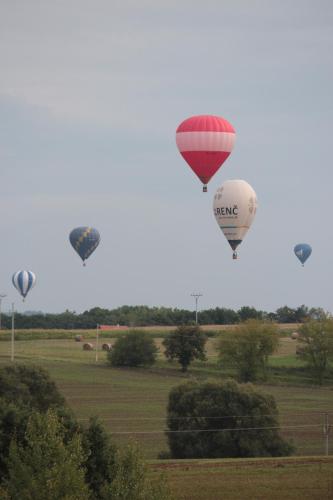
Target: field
(132, 405)
(269, 479)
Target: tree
(218, 420)
(116, 474)
(131, 480)
(317, 313)
(247, 347)
(134, 349)
(30, 386)
(286, 314)
(24, 389)
(46, 466)
(185, 344)
(219, 316)
(247, 312)
(101, 458)
(316, 346)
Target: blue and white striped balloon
(24, 281)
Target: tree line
(158, 316)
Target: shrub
(134, 349)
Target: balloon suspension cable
(204, 189)
(235, 256)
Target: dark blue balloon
(84, 240)
(302, 252)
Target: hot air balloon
(302, 252)
(24, 281)
(84, 240)
(235, 205)
(205, 142)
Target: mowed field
(132, 405)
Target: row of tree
(246, 348)
(155, 316)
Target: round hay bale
(295, 335)
(87, 346)
(106, 347)
(78, 338)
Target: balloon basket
(204, 189)
(234, 256)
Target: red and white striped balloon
(205, 142)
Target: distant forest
(157, 316)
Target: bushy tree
(134, 349)
(44, 466)
(316, 346)
(30, 386)
(217, 420)
(185, 344)
(247, 347)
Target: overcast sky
(91, 93)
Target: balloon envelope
(235, 206)
(302, 252)
(24, 281)
(84, 240)
(205, 142)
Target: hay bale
(295, 335)
(87, 346)
(78, 338)
(106, 347)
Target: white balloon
(235, 206)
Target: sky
(91, 94)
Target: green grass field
(270, 479)
(132, 405)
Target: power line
(129, 419)
(242, 429)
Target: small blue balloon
(84, 240)
(302, 252)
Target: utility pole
(2, 296)
(196, 296)
(326, 431)
(97, 332)
(12, 353)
